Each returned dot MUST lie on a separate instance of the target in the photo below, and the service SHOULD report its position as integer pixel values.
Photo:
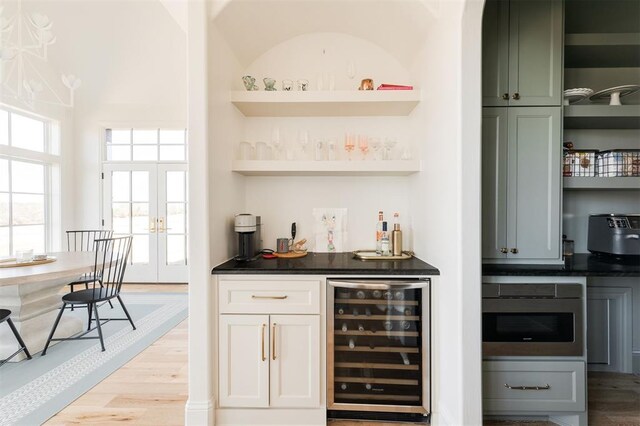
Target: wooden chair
(5, 316)
(111, 259)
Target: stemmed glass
(303, 141)
(277, 143)
(376, 144)
(389, 143)
(363, 144)
(349, 144)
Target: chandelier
(24, 40)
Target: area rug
(32, 391)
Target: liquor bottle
(360, 294)
(344, 326)
(352, 343)
(360, 327)
(385, 245)
(379, 233)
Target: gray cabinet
(521, 184)
(522, 53)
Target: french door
(150, 202)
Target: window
(26, 165)
(146, 145)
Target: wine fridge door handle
(264, 358)
(380, 285)
(273, 341)
(545, 387)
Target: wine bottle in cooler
(360, 327)
(344, 327)
(360, 294)
(352, 343)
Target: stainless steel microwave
(532, 320)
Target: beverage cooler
(378, 349)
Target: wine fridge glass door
(378, 346)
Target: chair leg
(71, 285)
(18, 338)
(95, 310)
(90, 309)
(126, 312)
(53, 330)
(101, 286)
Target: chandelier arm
(44, 81)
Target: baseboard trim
(198, 413)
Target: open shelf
(326, 104)
(602, 117)
(602, 50)
(326, 168)
(596, 182)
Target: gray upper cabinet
(521, 184)
(522, 53)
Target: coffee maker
(247, 226)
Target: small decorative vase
(269, 84)
(249, 83)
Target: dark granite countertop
(580, 264)
(327, 264)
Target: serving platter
(13, 263)
(614, 93)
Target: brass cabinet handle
(264, 358)
(514, 250)
(505, 96)
(273, 341)
(253, 296)
(545, 387)
(152, 226)
(516, 96)
(162, 228)
(504, 250)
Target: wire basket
(579, 162)
(619, 162)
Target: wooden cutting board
(14, 264)
(290, 255)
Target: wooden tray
(290, 255)
(371, 255)
(14, 264)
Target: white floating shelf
(327, 168)
(596, 182)
(352, 103)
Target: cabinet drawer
(565, 381)
(269, 297)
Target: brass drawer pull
(253, 296)
(504, 250)
(545, 387)
(514, 250)
(263, 327)
(516, 96)
(505, 96)
(273, 341)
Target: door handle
(152, 226)
(162, 228)
(264, 358)
(545, 387)
(273, 341)
(253, 296)
(516, 96)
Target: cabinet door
(495, 53)
(295, 361)
(494, 182)
(534, 183)
(535, 52)
(244, 361)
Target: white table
(33, 294)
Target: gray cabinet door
(534, 183)
(494, 182)
(522, 53)
(535, 52)
(495, 53)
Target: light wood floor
(152, 389)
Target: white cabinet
(269, 361)
(521, 184)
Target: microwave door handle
(372, 285)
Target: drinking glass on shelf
(375, 144)
(320, 151)
(363, 145)
(277, 143)
(406, 152)
(303, 141)
(349, 144)
(331, 149)
(389, 144)
(246, 151)
(263, 151)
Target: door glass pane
(175, 137)
(140, 186)
(28, 237)
(120, 186)
(121, 136)
(4, 209)
(120, 218)
(4, 175)
(176, 190)
(140, 218)
(146, 137)
(27, 133)
(119, 153)
(176, 221)
(28, 209)
(176, 250)
(27, 177)
(145, 153)
(4, 127)
(140, 249)
(4, 241)
(172, 153)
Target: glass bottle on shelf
(406, 325)
(355, 312)
(344, 327)
(387, 325)
(352, 343)
(340, 310)
(360, 294)
(377, 294)
(360, 327)
(388, 295)
(399, 295)
(343, 386)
